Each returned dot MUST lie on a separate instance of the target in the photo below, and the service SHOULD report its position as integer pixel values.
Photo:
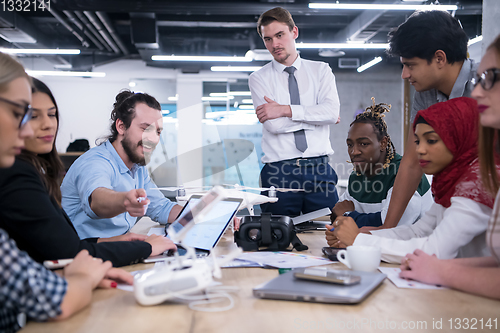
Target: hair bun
(378, 109)
(122, 96)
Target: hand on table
(422, 267)
(345, 229)
(114, 276)
(160, 244)
(95, 271)
(331, 239)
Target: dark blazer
(41, 227)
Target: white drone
(184, 275)
(249, 199)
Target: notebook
(287, 287)
(207, 233)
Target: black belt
(309, 161)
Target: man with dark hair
(108, 187)
(296, 101)
(432, 47)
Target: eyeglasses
(487, 78)
(28, 111)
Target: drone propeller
(272, 188)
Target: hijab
(456, 121)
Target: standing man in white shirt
(296, 101)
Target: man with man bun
(108, 188)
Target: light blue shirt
(103, 167)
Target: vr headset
(267, 233)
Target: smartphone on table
(346, 278)
(331, 252)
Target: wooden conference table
(387, 309)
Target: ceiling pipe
(104, 33)
(73, 19)
(89, 25)
(61, 19)
(111, 30)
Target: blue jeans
(318, 181)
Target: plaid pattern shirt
(27, 289)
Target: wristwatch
(347, 213)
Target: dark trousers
(318, 181)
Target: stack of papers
(283, 259)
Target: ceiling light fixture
(232, 93)
(67, 74)
(353, 6)
(259, 55)
(217, 99)
(39, 51)
(200, 58)
(475, 40)
(381, 46)
(235, 68)
(369, 64)
(246, 107)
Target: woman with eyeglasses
(27, 289)
(480, 276)
(30, 200)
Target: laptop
(207, 232)
(287, 287)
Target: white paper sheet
(393, 275)
(284, 259)
(157, 231)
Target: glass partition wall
(231, 137)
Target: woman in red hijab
(455, 226)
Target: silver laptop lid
(287, 287)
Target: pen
(55, 264)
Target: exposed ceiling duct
(102, 30)
(91, 27)
(76, 21)
(109, 27)
(107, 30)
(75, 33)
(144, 31)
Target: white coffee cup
(360, 258)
